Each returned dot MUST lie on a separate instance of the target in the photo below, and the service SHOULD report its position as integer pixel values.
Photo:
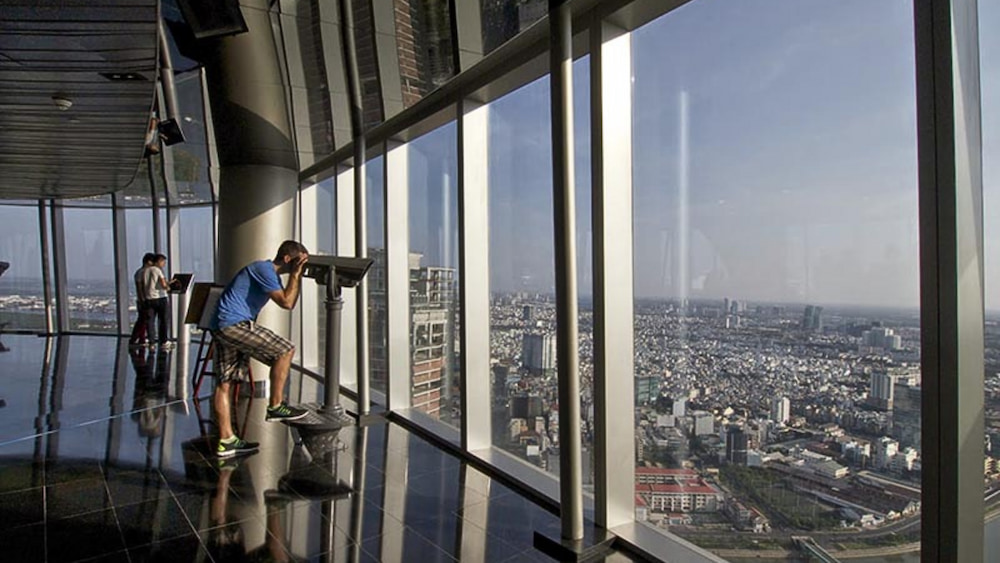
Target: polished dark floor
(105, 457)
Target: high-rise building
(501, 373)
(528, 407)
(647, 388)
(680, 406)
(906, 414)
(378, 325)
(432, 323)
(885, 449)
(736, 446)
(880, 393)
(882, 385)
(880, 339)
(539, 352)
(812, 318)
(528, 314)
(704, 423)
(781, 410)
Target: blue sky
(800, 164)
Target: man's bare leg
(279, 375)
(223, 410)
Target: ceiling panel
(65, 48)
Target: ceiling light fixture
(62, 101)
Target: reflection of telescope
(319, 426)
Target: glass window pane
(522, 300)
(777, 352)
(378, 327)
(503, 19)
(22, 303)
(90, 269)
(190, 158)
(584, 262)
(197, 243)
(325, 216)
(424, 47)
(989, 41)
(434, 302)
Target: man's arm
(287, 297)
(162, 281)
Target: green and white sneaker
(285, 412)
(235, 446)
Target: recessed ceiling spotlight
(62, 101)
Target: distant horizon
(15, 280)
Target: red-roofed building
(659, 475)
(676, 490)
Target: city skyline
(801, 232)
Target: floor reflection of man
(226, 541)
(151, 368)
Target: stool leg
(204, 367)
(198, 359)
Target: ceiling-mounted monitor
(213, 18)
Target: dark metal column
(43, 238)
(122, 278)
(360, 202)
(59, 265)
(155, 205)
(949, 149)
(570, 468)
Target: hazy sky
(788, 127)
(796, 157)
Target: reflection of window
(503, 19)
(423, 44)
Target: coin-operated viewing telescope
(336, 273)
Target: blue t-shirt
(246, 295)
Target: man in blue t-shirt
(238, 337)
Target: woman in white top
(155, 284)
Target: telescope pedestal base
(320, 427)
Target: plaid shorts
(236, 344)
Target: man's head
(160, 260)
(288, 254)
(148, 259)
